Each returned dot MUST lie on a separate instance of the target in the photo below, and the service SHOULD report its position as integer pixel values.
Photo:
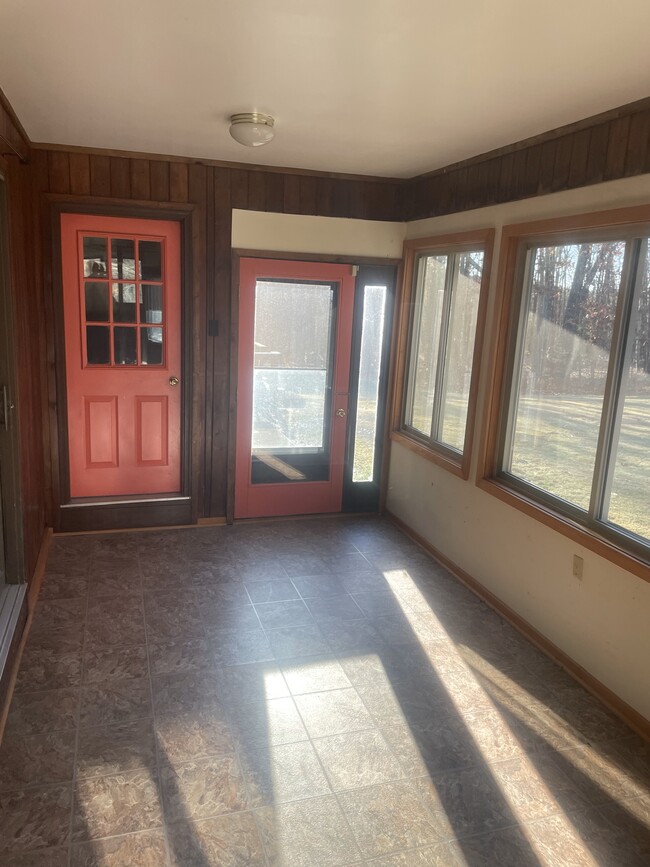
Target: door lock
(173, 380)
(341, 413)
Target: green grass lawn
(555, 446)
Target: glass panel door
(295, 333)
(295, 323)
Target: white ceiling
(378, 87)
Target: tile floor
(306, 694)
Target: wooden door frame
(238, 254)
(12, 502)
(127, 512)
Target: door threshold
(81, 502)
(11, 600)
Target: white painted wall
(293, 233)
(602, 622)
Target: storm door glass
(295, 325)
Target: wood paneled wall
(615, 144)
(214, 191)
(24, 278)
(605, 147)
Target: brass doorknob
(340, 413)
(173, 380)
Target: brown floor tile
(257, 681)
(49, 711)
(203, 788)
(390, 817)
(440, 855)
(114, 621)
(294, 641)
(114, 664)
(357, 759)
(120, 804)
(115, 702)
(306, 833)
(42, 858)
(334, 712)
(144, 849)
(239, 648)
(279, 774)
(45, 669)
(314, 675)
(62, 585)
(186, 692)
(274, 722)
(29, 759)
(186, 736)
(116, 749)
(431, 717)
(35, 819)
(176, 657)
(470, 800)
(227, 841)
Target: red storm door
(122, 311)
(295, 327)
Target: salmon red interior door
(295, 327)
(122, 312)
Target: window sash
(434, 435)
(631, 285)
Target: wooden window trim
(487, 478)
(459, 465)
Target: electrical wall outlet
(578, 565)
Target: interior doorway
(313, 341)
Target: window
(444, 289)
(573, 426)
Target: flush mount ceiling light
(252, 129)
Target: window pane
(293, 324)
(124, 345)
(96, 302)
(629, 499)
(427, 322)
(98, 348)
(123, 259)
(372, 337)
(150, 303)
(151, 346)
(565, 344)
(460, 348)
(95, 257)
(123, 302)
(150, 253)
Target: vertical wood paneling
(29, 345)
(579, 155)
(239, 188)
(159, 175)
(140, 180)
(178, 182)
(307, 196)
(597, 154)
(218, 407)
(80, 174)
(120, 178)
(291, 194)
(59, 172)
(619, 131)
(257, 189)
(100, 175)
(637, 158)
